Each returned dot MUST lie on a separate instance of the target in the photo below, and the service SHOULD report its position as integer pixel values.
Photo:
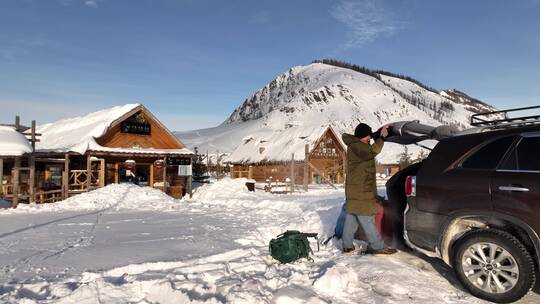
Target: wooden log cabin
(319, 155)
(123, 144)
(14, 164)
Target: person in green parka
(361, 188)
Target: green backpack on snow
(291, 246)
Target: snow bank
(305, 211)
(232, 227)
(114, 196)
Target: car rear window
(525, 157)
(488, 156)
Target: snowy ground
(126, 244)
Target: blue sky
(192, 62)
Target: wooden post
(88, 172)
(190, 186)
(1, 177)
(250, 172)
(65, 186)
(151, 176)
(15, 175)
(165, 174)
(17, 122)
(32, 181)
(102, 173)
(306, 167)
(33, 136)
(345, 165)
(292, 173)
(65, 177)
(116, 177)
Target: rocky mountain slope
(326, 94)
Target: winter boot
(349, 251)
(384, 251)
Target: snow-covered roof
(93, 146)
(13, 143)
(278, 145)
(78, 134)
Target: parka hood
(349, 139)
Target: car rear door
(515, 185)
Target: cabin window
(53, 176)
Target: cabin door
(137, 175)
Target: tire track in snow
(88, 239)
(6, 272)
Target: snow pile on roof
(114, 196)
(77, 134)
(278, 145)
(13, 143)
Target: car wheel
(493, 265)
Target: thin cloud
(366, 20)
(90, 3)
(261, 17)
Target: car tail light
(410, 186)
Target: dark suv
(475, 202)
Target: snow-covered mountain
(323, 94)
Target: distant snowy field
(127, 244)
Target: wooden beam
(190, 186)
(116, 173)
(102, 172)
(151, 180)
(1, 177)
(250, 172)
(65, 177)
(32, 181)
(88, 172)
(165, 174)
(320, 174)
(49, 160)
(306, 167)
(33, 136)
(15, 176)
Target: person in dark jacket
(361, 188)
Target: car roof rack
(503, 119)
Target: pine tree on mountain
(405, 159)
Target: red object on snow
(379, 219)
(383, 224)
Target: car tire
(493, 265)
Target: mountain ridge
(326, 94)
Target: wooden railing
(48, 196)
(78, 180)
(238, 174)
